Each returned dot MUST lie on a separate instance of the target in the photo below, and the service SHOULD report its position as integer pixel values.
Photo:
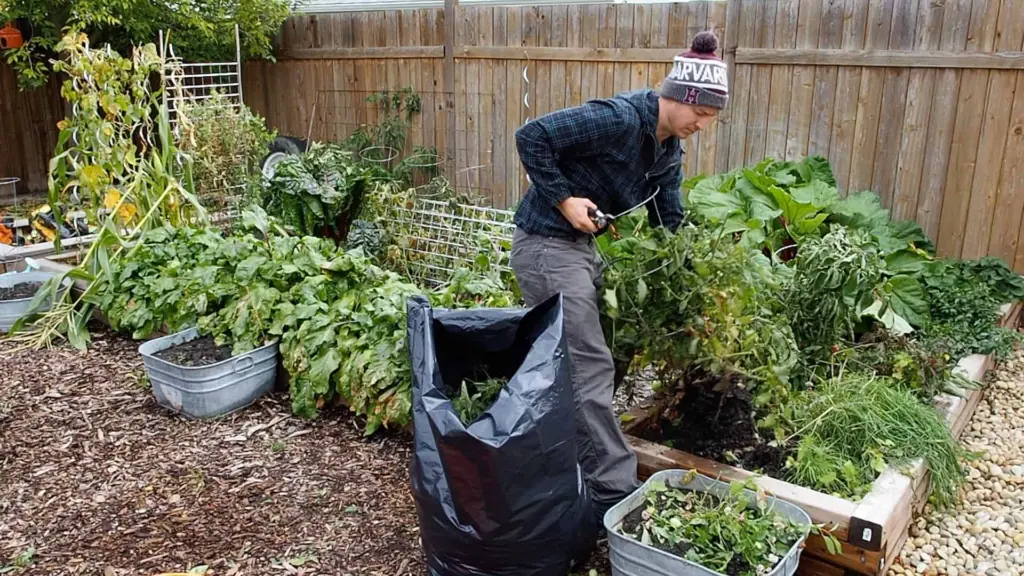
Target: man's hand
(575, 211)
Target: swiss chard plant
(314, 192)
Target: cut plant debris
(474, 398)
(736, 534)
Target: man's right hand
(576, 211)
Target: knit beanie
(698, 76)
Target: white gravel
(984, 534)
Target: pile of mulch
(98, 479)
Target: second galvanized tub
(212, 390)
(11, 310)
(630, 557)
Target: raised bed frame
(873, 530)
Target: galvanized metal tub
(11, 310)
(212, 390)
(630, 557)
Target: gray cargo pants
(543, 267)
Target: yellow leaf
(126, 212)
(111, 198)
(93, 176)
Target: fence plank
(559, 32)
(881, 58)
(913, 138)
(825, 80)
(659, 39)
(589, 87)
(1008, 224)
(778, 104)
(802, 92)
(697, 21)
(574, 70)
(992, 146)
(486, 174)
(514, 105)
(642, 40)
(870, 100)
(730, 40)
(844, 117)
(740, 94)
(894, 101)
(708, 137)
(760, 85)
(938, 146)
(624, 14)
(970, 113)
(605, 70)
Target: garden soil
(19, 291)
(719, 427)
(98, 479)
(201, 351)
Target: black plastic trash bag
(504, 496)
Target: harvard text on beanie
(699, 77)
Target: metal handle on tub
(244, 364)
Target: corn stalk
(118, 149)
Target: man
(608, 155)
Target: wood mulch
(98, 479)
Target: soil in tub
(19, 291)
(201, 351)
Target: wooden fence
(28, 131)
(918, 100)
(921, 101)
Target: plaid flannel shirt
(605, 150)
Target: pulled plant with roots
(115, 158)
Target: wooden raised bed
(873, 530)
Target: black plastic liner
(504, 496)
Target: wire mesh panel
(208, 92)
(444, 236)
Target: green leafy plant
(396, 111)
(696, 300)
(965, 310)
(834, 279)
(471, 405)
(771, 205)
(310, 192)
(1003, 282)
(922, 366)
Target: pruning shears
(601, 220)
